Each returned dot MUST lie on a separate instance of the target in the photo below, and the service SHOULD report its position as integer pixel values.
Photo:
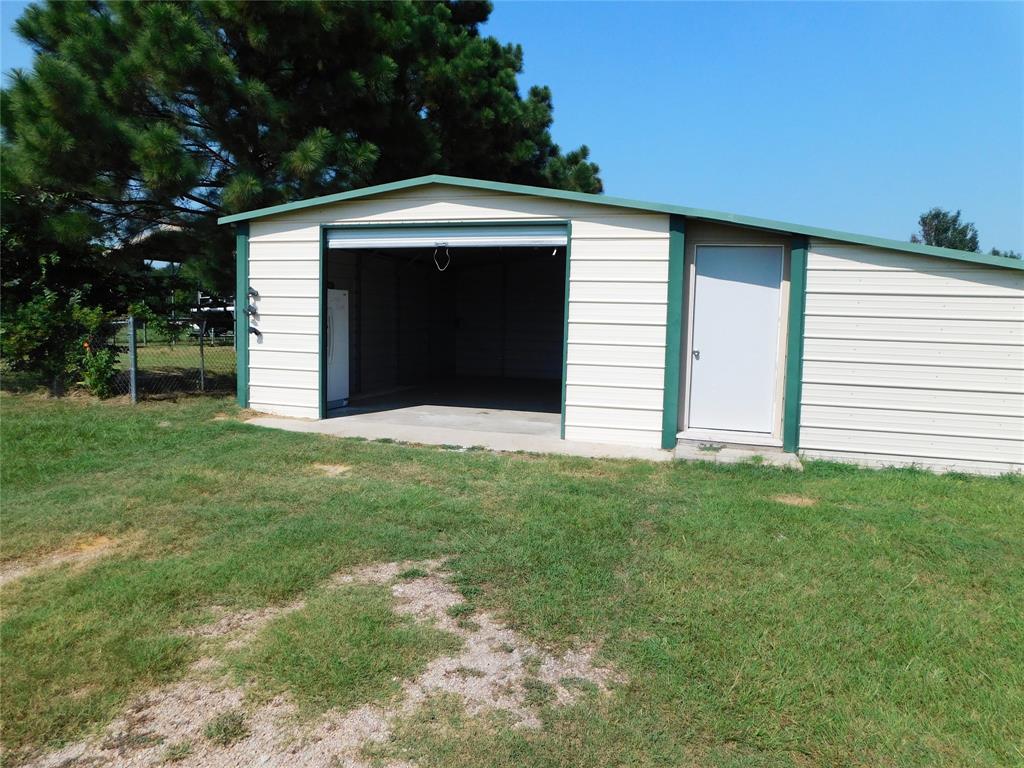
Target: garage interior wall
(912, 360)
(492, 313)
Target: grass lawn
(868, 618)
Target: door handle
(696, 354)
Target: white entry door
(337, 347)
(735, 341)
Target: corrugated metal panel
(913, 422)
(293, 378)
(909, 444)
(289, 269)
(911, 359)
(960, 355)
(606, 354)
(293, 306)
(628, 314)
(606, 270)
(993, 282)
(622, 293)
(284, 288)
(933, 400)
(288, 396)
(283, 360)
(613, 397)
(614, 417)
(616, 376)
(962, 307)
(286, 342)
(281, 409)
(609, 435)
(882, 460)
(944, 330)
(611, 333)
(291, 360)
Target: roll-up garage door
(429, 236)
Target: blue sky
(855, 116)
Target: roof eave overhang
(618, 202)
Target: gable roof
(619, 202)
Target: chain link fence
(171, 356)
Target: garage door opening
(464, 336)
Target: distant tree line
(946, 230)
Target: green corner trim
(565, 323)
(795, 344)
(673, 331)
(241, 315)
(620, 202)
(322, 327)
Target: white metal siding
(618, 283)
(912, 360)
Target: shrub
(99, 367)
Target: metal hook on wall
(447, 256)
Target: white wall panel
(282, 409)
(615, 376)
(297, 361)
(606, 270)
(285, 288)
(613, 397)
(612, 333)
(912, 360)
(620, 418)
(294, 306)
(620, 249)
(297, 398)
(296, 378)
(623, 293)
(899, 398)
(286, 342)
(914, 376)
(276, 268)
(269, 325)
(913, 421)
(958, 283)
(629, 314)
(948, 329)
(902, 352)
(932, 307)
(646, 438)
(605, 354)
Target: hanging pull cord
(448, 260)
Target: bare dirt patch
(333, 470)
(794, 500)
(496, 670)
(80, 553)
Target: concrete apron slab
(438, 427)
(735, 455)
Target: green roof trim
(619, 202)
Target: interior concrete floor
(500, 415)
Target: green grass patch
(412, 573)
(345, 648)
(178, 751)
(879, 625)
(226, 728)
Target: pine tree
(149, 120)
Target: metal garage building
(632, 323)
